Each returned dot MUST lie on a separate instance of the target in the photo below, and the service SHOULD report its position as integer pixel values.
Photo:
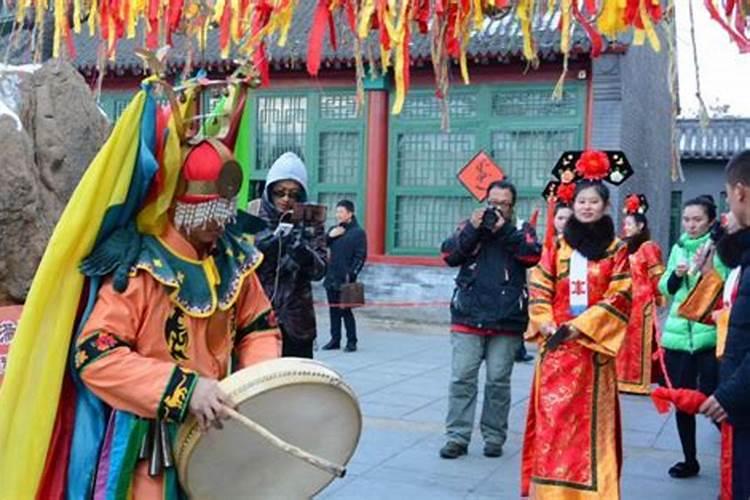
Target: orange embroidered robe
(141, 351)
(572, 445)
(634, 360)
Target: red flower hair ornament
(635, 204)
(593, 165)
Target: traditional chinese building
(401, 169)
(704, 153)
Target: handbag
(352, 295)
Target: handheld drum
(301, 413)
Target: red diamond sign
(479, 173)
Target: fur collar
(591, 240)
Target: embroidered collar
(199, 286)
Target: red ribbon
(315, 44)
(597, 42)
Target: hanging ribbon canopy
(734, 17)
(245, 26)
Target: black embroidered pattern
(94, 347)
(264, 321)
(176, 335)
(174, 402)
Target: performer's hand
(499, 224)
(713, 410)
(548, 329)
(708, 264)
(336, 232)
(476, 218)
(573, 333)
(681, 270)
(207, 404)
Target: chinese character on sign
(479, 173)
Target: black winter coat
(347, 255)
(734, 384)
(298, 261)
(491, 285)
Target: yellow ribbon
(212, 273)
(648, 27)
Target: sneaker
(453, 450)
(493, 450)
(683, 470)
(330, 346)
(350, 348)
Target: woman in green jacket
(689, 347)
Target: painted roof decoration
(247, 28)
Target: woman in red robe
(580, 293)
(634, 361)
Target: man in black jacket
(347, 243)
(731, 400)
(489, 315)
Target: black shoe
(330, 346)
(524, 359)
(493, 450)
(350, 348)
(682, 470)
(452, 450)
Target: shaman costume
(156, 311)
(572, 444)
(634, 361)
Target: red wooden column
(376, 185)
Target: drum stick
(295, 451)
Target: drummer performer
(192, 307)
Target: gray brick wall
(632, 112)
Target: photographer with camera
(294, 248)
(489, 314)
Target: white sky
(724, 72)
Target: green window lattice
(324, 129)
(518, 125)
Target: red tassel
(662, 405)
(725, 471)
(597, 43)
(331, 30)
(152, 37)
(742, 41)
(351, 17)
(225, 25)
(315, 43)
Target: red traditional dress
(572, 447)
(711, 302)
(634, 360)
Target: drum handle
(295, 451)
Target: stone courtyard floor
(400, 374)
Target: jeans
(498, 353)
(337, 314)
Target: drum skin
(303, 402)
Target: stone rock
(61, 130)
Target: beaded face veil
(208, 187)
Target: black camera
(489, 218)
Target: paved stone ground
(400, 374)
